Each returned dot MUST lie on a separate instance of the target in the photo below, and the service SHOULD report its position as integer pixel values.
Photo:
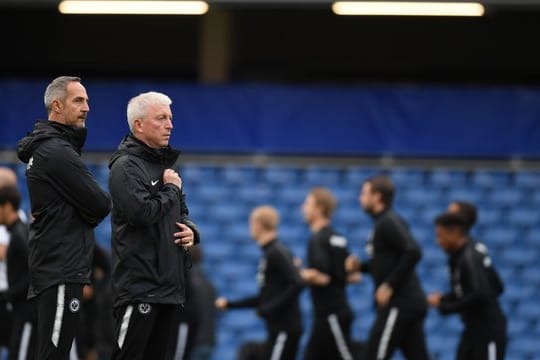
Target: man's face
(254, 227)
(446, 238)
(3, 212)
(74, 108)
(367, 198)
(156, 126)
(309, 209)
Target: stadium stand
(220, 197)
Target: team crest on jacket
(145, 308)
(74, 305)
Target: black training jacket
(67, 203)
(17, 263)
(280, 286)
(476, 287)
(327, 251)
(394, 255)
(147, 265)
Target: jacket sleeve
(19, 290)
(187, 221)
(248, 302)
(400, 238)
(474, 290)
(279, 261)
(72, 179)
(132, 197)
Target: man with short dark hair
(474, 294)
(467, 210)
(67, 203)
(22, 338)
(400, 300)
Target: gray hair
(138, 105)
(57, 90)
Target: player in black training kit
(400, 300)
(280, 285)
(22, 341)
(475, 291)
(327, 251)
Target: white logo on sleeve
(30, 163)
(154, 182)
(338, 241)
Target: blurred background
(271, 98)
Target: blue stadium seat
(238, 232)
(254, 195)
(211, 193)
(529, 309)
(489, 216)
(355, 176)
(446, 178)
(524, 348)
(505, 197)
(293, 195)
(527, 179)
(422, 196)
(322, 176)
(499, 236)
(195, 174)
(514, 292)
(490, 178)
(228, 213)
(293, 233)
(532, 238)
(463, 193)
(521, 257)
(527, 217)
(280, 175)
(240, 175)
(407, 177)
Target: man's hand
(171, 177)
(352, 264)
(88, 292)
(314, 277)
(434, 299)
(185, 236)
(221, 303)
(383, 295)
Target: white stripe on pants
(387, 333)
(277, 350)
(338, 336)
(57, 327)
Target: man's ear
(137, 126)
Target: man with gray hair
(66, 204)
(151, 233)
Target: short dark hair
(468, 211)
(10, 194)
(453, 221)
(383, 185)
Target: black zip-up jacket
(17, 264)
(279, 289)
(394, 256)
(67, 203)
(147, 265)
(327, 251)
(476, 287)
